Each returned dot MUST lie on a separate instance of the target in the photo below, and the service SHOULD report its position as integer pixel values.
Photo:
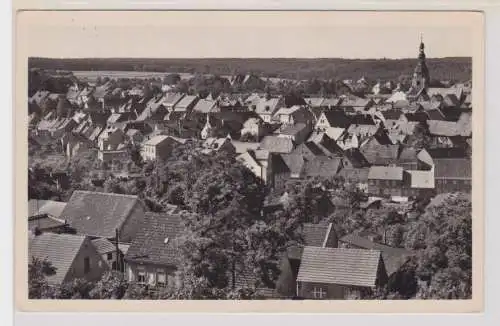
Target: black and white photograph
(176, 163)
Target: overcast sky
(245, 34)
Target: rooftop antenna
(421, 38)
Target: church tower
(421, 77)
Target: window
(86, 265)
(161, 279)
(141, 277)
(110, 255)
(319, 293)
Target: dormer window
(267, 108)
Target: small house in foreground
(72, 256)
(338, 273)
(98, 214)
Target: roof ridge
(344, 249)
(327, 235)
(106, 193)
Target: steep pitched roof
(337, 118)
(450, 128)
(156, 242)
(385, 173)
(98, 214)
(242, 147)
(294, 162)
(351, 267)
(393, 257)
(276, 144)
(59, 249)
(267, 106)
(294, 129)
(103, 246)
(154, 141)
(322, 167)
(204, 106)
(171, 99)
(356, 158)
(379, 154)
(314, 235)
(447, 152)
(315, 101)
(45, 222)
(185, 102)
(421, 179)
(50, 207)
(453, 168)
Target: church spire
(421, 77)
(421, 54)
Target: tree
(38, 271)
(226, 236)
(112, 285)
(134, 152)
(443, 236)
(75, 289)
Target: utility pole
(118, 258)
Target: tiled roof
(378, 154)
(295, 163)
(103, 246)
(385, 173)
(392, 114)
(185, 102)
(337, 118)
(59, 249)
(334, 132)
(421, 179)
(315, 101)
(156, 140)
(171, 99)
(447, 152)
(322, 167)
(276, 144)
(408, 155)
(453, 168)
(98, 214)
(332, 102)
(50, 207)
(204, 106)
(242, 147)
(393, 257)
(326, 144)
(450, 128)
(356, 158)
(267, 106)
(310, 149)
(351, 267)
(435, 114)
(156, 242)
(294, 129)
(314, 235)
(417, 116)
(44, 222)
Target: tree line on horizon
(450, 68)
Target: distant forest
(451, 68)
